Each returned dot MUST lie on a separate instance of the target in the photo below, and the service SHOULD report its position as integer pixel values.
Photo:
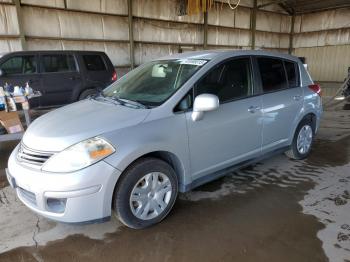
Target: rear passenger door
(282, 100)
(60, 78)
(232, 133)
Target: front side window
(59, 63)
(20, 65)
(229, 81)
(292, 74)
(272, 73)
(94, 63)
(153, 83)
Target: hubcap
(150, 196)
(304, 139)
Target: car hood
(71, 124)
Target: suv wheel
(145, 193)
(86, 93)
(302, 141)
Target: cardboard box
(11, 122)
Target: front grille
(28, 196)
(31, 157)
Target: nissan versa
(166, 127)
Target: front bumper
(82, 196)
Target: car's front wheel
(145, 193)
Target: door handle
(253, 109)
(31, 81)
(74, 78)
(297, 98)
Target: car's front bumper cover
(77, 197)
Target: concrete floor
(277, 210)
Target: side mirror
(204, 103)
(2, 73)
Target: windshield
(153, 83)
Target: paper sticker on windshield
(195, 62)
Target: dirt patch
(3, 180)
(329, 154)
(5, 151)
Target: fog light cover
(56, 205)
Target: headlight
(79, 156)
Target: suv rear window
(272, 73)
(94, 63)
(20, 65)
(59, 63)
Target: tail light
(114, 76)
(316, 88)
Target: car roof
(50, 51)
(212, 54)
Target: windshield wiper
(100, 96)
(120, 101)
(130, 102)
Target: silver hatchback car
(166, 127)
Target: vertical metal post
(253, 23)
(131, 35)
(205, 30)
(291, 35)
(20, 24)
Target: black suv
(62, 77)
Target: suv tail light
(316, 88)
(114, 76)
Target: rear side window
(229, 81)
(59, 63)
(20, 65)
(94, 63)
(292, 73)
(272, 73)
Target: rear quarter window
(94, 63)
(292, 73)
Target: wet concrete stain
(264, 225)
(329, 154)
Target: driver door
(232, 133)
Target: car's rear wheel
(87, 93)
(302, 141)
(145, 193)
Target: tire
(2, 130)
(86, 93)
(294, 152)
(140, 203)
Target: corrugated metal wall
(158, 30)
(324, 39)
(9, 28)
